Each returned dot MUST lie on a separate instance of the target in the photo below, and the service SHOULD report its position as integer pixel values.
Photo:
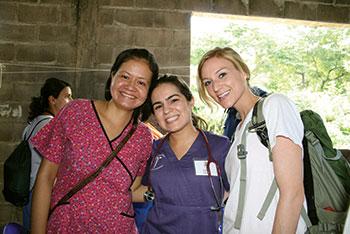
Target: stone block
(7, 130)
(154, 37)
(164, 4)
(176, 70)
(104, 54)
(7, 86)
(140, 18)
(7, 11)
(27, 1)
(68, 15)
(106, 16)
(24, 91)
(229, 7)
(66, 54)
(18, 33)
(104, 2)
(11, 110)
(7, 51)
(182, 38)
(333, 14)
(195, 5)
(36, 53)
(99, 91)
(163, 56)
(173, 20)
(180, 56)
(87, 88)
(112, 35)
(264, 8)
(6, 149)
(125, 3)
(61, 2)
(318, 1)
(343, 2)
(300, 11)
(43, 14)
(57, 33)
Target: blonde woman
(223, 78)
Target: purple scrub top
(183, 199)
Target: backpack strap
(258, 125)
(271, 193)
(31, 132)
(242, 155)
(81, 184)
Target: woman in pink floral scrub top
(80, 138)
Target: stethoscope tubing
(210, 160)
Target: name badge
(201, 168)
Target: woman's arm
(42, 196)
(288, 170)
(138, 190)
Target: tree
(290, 58)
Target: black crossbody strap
(92, 176)
(27, 138)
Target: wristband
(148, 195)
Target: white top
(282, 119)
(347, 223)
(36, 158)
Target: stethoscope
(218, 198)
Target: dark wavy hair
(40, 104)
(142, 112)
(184, 89)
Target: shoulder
(78, 103)
(143, 131)
(143, 128)
(36, 124)
(279, 103)
(158, 141)
(75, 108)
(276, 99)
(216, 139)
(43, 119)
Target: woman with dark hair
(54, 94)
(186, 172)
(83, 191)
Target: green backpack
(326, 174)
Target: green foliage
(309, 64)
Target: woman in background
(54, 94)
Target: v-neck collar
(110, 141)
(187, 154)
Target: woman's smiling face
(130, 84)
(224, 83)
(172, 110)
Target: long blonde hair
(226, 53)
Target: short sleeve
(145, 178)
(282, 119)
(146, 149)
(51, 140)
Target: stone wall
(78, 40)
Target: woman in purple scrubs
(188, 194)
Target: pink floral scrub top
(76, 140)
